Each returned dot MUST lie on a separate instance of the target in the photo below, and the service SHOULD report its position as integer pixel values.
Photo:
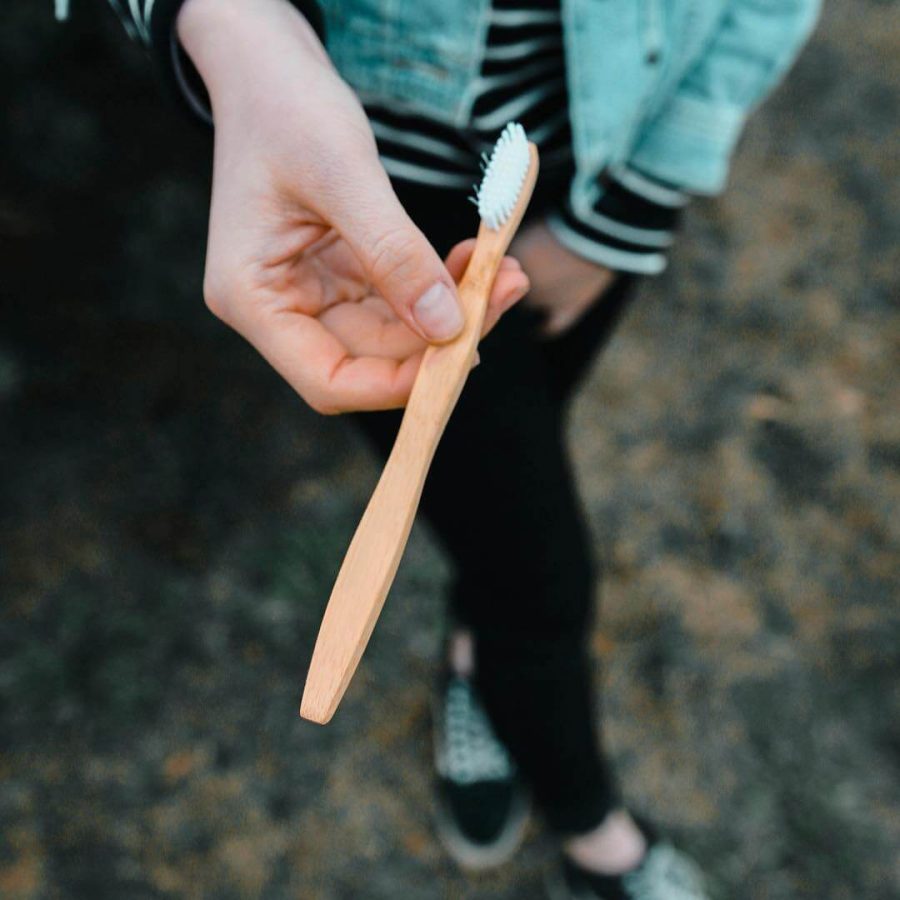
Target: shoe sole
(478, 857)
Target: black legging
(501, 498)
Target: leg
(501, 498)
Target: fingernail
(438, 314)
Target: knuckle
(216, 292)
(392, 256)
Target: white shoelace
(666, 874)
(467, 750)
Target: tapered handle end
(318, 706)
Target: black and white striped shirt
(625, 222)
(522, 79)
(628, 220)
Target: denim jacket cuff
(690, 144)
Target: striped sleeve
(152, 23)
(135, 15)
(147, 21)
(627, 222)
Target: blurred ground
(172, 518)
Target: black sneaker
(482, 807)
(664, 874)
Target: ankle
(614, 847)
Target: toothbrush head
(504, 175)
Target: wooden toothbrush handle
(374, 554)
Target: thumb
(398, 259)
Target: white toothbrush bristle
(504, 176)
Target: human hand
(563, 286)
(310, 256)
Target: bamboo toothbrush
(374, 554)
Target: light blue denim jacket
(660, 85)
(663, 86)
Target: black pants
(501, 498)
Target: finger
(397, 258)
(364, 330)
(510, 262)
(369, 384)
(320, 368)
(458, 258)
(510, 287)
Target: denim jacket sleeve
(690, 141)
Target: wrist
(232, 42)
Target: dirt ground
(172, 518)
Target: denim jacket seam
(476, 64)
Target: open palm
(313, 312)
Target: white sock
(614, 847)
(461, 653)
